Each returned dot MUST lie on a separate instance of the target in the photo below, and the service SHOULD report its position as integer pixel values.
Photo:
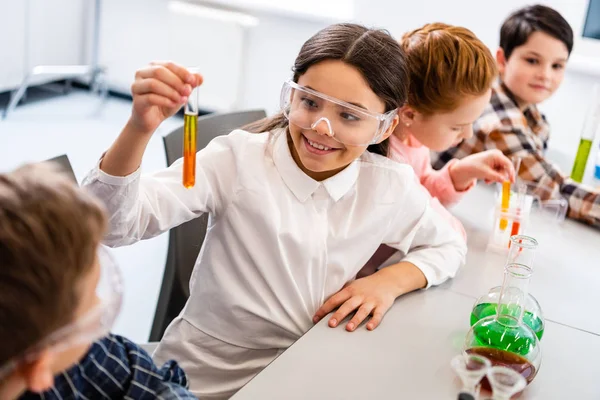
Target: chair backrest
(186, 240)
(64, 165)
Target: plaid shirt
(116, 368)
(524, 134)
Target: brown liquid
(189, 149)
(505, 359)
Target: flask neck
(513, 294)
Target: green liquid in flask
(486, 309)
(583, 152)
(503, 334)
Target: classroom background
(244, 48)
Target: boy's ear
(37, 374)
(500, 60)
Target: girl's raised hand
(159, 90)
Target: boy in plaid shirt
(535, 43)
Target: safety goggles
(344, 122)
(94, 324)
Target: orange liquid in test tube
(515, 229)
(190, 132)
(505, 203)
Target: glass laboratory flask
(504, 338)
(487, 305)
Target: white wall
(272, 48)
(131, 39)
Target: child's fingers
(156, 100)
(503, 163)
(162, 74)
(376, 318)
(198, 80)
(331, 304)
(494, 176)
(168, 77)
(349, 305)
(362, 313)
(155, 86)
(178, 70)
(509, 169)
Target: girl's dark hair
(373, 52)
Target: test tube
(516, 224)
(590, 127)
(505, 200)
(190, 131)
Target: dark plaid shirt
(524, 133)
(116, 368)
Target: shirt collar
(302, 185)
(501, 86)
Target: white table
(566, 278)
(408, 357)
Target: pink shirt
(438, 183)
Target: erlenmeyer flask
(504, 338)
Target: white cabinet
(12, 43)
(55, 33)
(40, 32)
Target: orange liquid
(505, 203)
(190, 131)
(514, 230)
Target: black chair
(64, 165)
(186, 240)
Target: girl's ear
(390, 129)
(407, 115)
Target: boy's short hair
(517, 28)
(49, 234)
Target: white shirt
(279, 243)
